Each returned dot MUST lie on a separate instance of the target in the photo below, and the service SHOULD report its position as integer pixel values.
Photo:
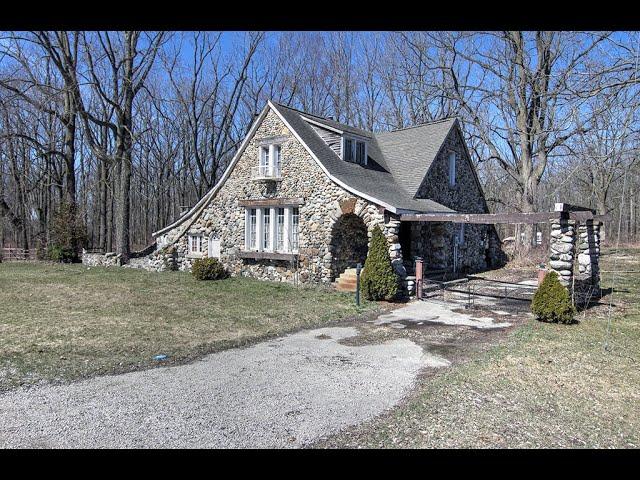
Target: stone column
(392, 231)
(562, 247)
(589, 251)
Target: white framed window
(276, 159)
(295, 226)
(264, 156)
(460, 234)
(269, 161)
(253, 229)
(280, 233)
(272, 229)
(214, 247)
(348, 152)
(361, 153)
(195, 244)
(354, 150)
(452, 168)
(266, 229)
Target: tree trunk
(601, 209)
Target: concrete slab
(436, 312)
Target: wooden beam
(267, 255)
(567, 207)
(482, 218)
(493, 218)
(271, 202)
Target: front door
(214, 248)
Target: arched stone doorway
(349, 243)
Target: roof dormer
(354, 150)
(348, 145)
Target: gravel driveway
(280, 393)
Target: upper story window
(269, 161)
(452, 168)
(354, 150)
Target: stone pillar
(392, 231)
(562, 248)
(589, 251)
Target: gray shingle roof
(392, 176)
(411, 151)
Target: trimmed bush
(56, 253)
(68, 234)
(379, 280)
(208, 269)
(551, 302)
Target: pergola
(575, 235)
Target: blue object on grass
(160, 357)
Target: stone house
(303, 193)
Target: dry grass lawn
(544, 385)
(64, 322)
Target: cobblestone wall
(434, 241)
(570, 239)
(110, 259)
(301, 177)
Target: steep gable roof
(409, 152)
(397, 162)
(374, 181)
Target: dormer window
(354, 151)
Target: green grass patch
(64, 322)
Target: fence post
(358, 270)
(419, 266)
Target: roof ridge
(302, 112)
(424, 124)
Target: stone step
(342, 288)
(347, 281)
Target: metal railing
(265, 172)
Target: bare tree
(517, 91)
(117, 68)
